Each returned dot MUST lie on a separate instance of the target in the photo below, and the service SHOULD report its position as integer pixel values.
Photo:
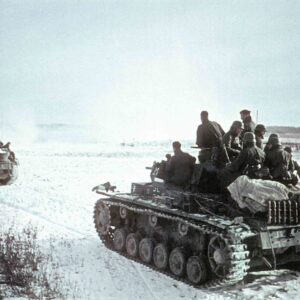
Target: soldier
(180, 167)
(231, 142)
(259, 132)
(249, 125)
(250, 158)
(268, 145)
(209, 138)
(278, 160)
(293, 165)
(248, 162)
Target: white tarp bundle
(254, 193)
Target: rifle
(226, 154)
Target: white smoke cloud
(17, 124)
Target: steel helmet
(260, 127)
(274, 141)
(237, 124)
(249, 137)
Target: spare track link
(239, 255)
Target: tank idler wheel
(102, 218)
(196, 270)
(119, 240)
(177, 262)
(160, 256)
(132, 244)
(146, 250)
(218, 256)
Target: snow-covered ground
(53, 192)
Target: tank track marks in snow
(224, 262)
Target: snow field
(53, 192)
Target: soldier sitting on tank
(267, 146)
(231, 146)
(209, 137)
(180, 168)
(278, 160)
(249, 162)
(293, 165)
(260, 131)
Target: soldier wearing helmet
(278, 160)
(259, 132)
(248, 162)
(268, 145)
(249, 157)
(231, 141)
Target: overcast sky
(147, 68)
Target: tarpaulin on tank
(254, 193)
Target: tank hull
(196, 246)
(8, 172)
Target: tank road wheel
(177, 262)
(146, 250)
(102, 218)
(132, 244)
(160, 256)
(218, 256)
(196, 270)
(152, 220)
(182, 229)
(119, 240)
(123, 212)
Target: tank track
(233, 236)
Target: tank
(8, 167)
(202, 239)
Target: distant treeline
(284, 130)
